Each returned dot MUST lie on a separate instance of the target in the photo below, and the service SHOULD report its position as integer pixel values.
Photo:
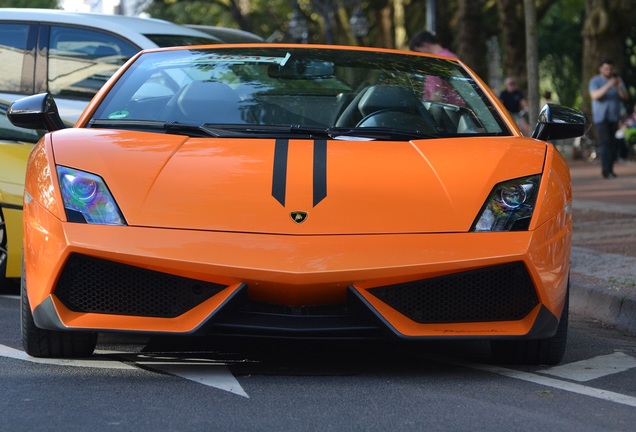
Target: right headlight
(87, 199)
(509, 206)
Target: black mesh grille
(94, 285)
(497, 293)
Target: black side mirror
(560, 122)
(36, 112)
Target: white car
(228, 35)
(71, 54)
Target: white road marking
(215, 376)
(6, 351)
(596, 367)
(554, 383)
(206, 371)
(210, 373)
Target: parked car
(228, 35)
(15, 147)
(69, 55)
(296, 191)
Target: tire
(549, 351)
(51, 343)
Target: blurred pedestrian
(626, 136)
(607, 91)
(436, 89)
(515, 102)
(547, 97)
(427, 42)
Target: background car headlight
(509, 206)
(87, 199)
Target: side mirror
(36, 112)
(559, 122)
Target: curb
(602, 287)
(603, 260)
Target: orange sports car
(296, 191)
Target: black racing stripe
(279, 179)
(320, 171)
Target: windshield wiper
(239, 130)
(361, 133)
(169, 127)
(195, 130)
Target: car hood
(298, 186)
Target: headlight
(87, 199)
(509, 206)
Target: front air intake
(95, 285)
(501, 293)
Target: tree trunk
(384, 23)
(532, 56)
(401, 41)
(513, 40)
(471, 42)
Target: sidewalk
(603, 265)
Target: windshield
(307, 89)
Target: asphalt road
(164, 384)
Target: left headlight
(509, 206)
(87, 199)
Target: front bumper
(482, 285)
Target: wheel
(51, 343)
(549, 351)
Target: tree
(512, 23)
(606, 28)
(532, 59)
(471, 36)
(561, 51)
(573, 35)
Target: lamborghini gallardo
(302, 191)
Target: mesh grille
(499, 293)
(94, 285)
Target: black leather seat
(206, 102)
(387, 106)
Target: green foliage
(559, 29)
(44, 4)
(629, 74)
(265, 17)
(561, 50)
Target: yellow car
(296, 191)
(15, 146)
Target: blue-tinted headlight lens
(510, 206)
(86, 194)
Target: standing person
(515, 102)
(426, 42)
(436, 89)
(607, 90)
